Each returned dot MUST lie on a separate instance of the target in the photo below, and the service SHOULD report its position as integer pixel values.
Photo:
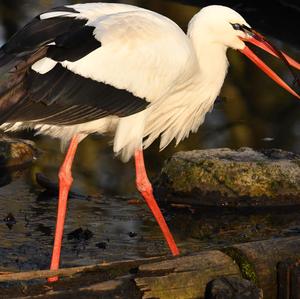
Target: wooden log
(258, 261)
(295, 282)
(95, 290)
(184, 277)
(40, 274)
(288, 273)
(284, 278)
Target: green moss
(232, 178)
(246, 268)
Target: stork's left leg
(65, 182)
(145, 188)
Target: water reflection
(252, 111)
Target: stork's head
(222, 25)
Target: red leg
(145, 188)
(65, 182)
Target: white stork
(120, 69)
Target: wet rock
(80, 234)
(10, 220)
(16, 152)
(232, 288)
(225, 177)
(52, 189)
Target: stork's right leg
(65, 182)
(145, 188)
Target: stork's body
(139, 53)
(98, 68)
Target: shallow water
(103, 227)
(252, 111)
(123, 230)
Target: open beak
(258, 40)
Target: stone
(16, 152)
(232, 178)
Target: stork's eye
(237, 26)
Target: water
(118, 228)
(123, 230)
(252, 111)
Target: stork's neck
(211, 56)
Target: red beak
(258, 40)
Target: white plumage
(150, 56)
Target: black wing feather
(62, 9)
(75, 45)
(39, 32)
(58, 96)
(63, 97)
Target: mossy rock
(16, 152)
(225, 177)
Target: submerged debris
(52, 188)
(101, 245)
(45, 230)
(80, 234)
(10, 220)
(132, 234)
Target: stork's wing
(37, 82)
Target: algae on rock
(226, 177)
